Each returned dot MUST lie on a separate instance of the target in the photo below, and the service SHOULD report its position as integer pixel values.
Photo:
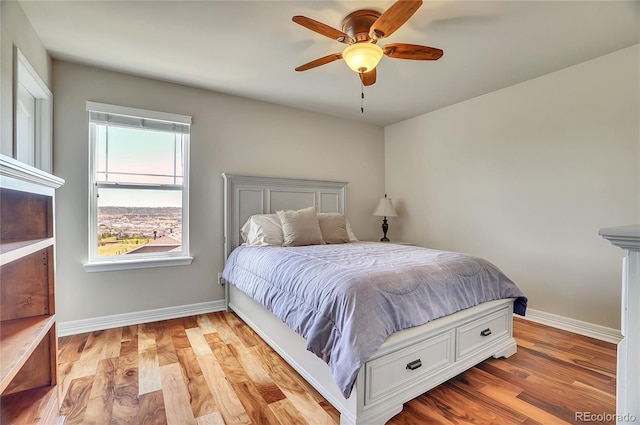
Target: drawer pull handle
(486, 332)
(414, 364)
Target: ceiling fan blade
(393, 18)
(368, 78)
(323, 29)
(320, 61)
(412, 51)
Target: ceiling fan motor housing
(357, 24)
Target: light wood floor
(213, 369)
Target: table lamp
(385, 209)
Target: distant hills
(139, 210)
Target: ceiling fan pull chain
(361, 98)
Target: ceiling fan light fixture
(362, 57)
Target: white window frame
(38, 153)
(140, 261)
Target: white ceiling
(250, 48)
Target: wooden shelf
(19, 408)
(14, 250)
(18, 339)
(28, 339)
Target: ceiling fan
(361, 30)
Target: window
(139, 193)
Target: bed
(408, 362)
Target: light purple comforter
(345, 300)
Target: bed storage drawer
(392, 372)
(473, 336)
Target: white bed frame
(409, 362)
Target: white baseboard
(576, 326)
(126, 319)
(74, 327)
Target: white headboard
(248, 195)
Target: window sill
(146, 263)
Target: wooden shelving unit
(28, 339)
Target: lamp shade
(362, 57)
(385, 208)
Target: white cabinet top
(10, 167)
(626, 237)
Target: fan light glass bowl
(362, 57)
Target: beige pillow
(333, 227)
(301, 227)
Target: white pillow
(244, 230)
(301, 227)
(262, 230)
(352, 236)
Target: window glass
(139, 156)
(132, 221)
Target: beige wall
(16, 31)
(229, 134)
(525, 177)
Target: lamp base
(385, 228)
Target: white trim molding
(137, 112)
(139, 263)
(38, 152)
(579, 327)
(134, 318)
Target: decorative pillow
(301, 227)
(262, 230)
(333, 227)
